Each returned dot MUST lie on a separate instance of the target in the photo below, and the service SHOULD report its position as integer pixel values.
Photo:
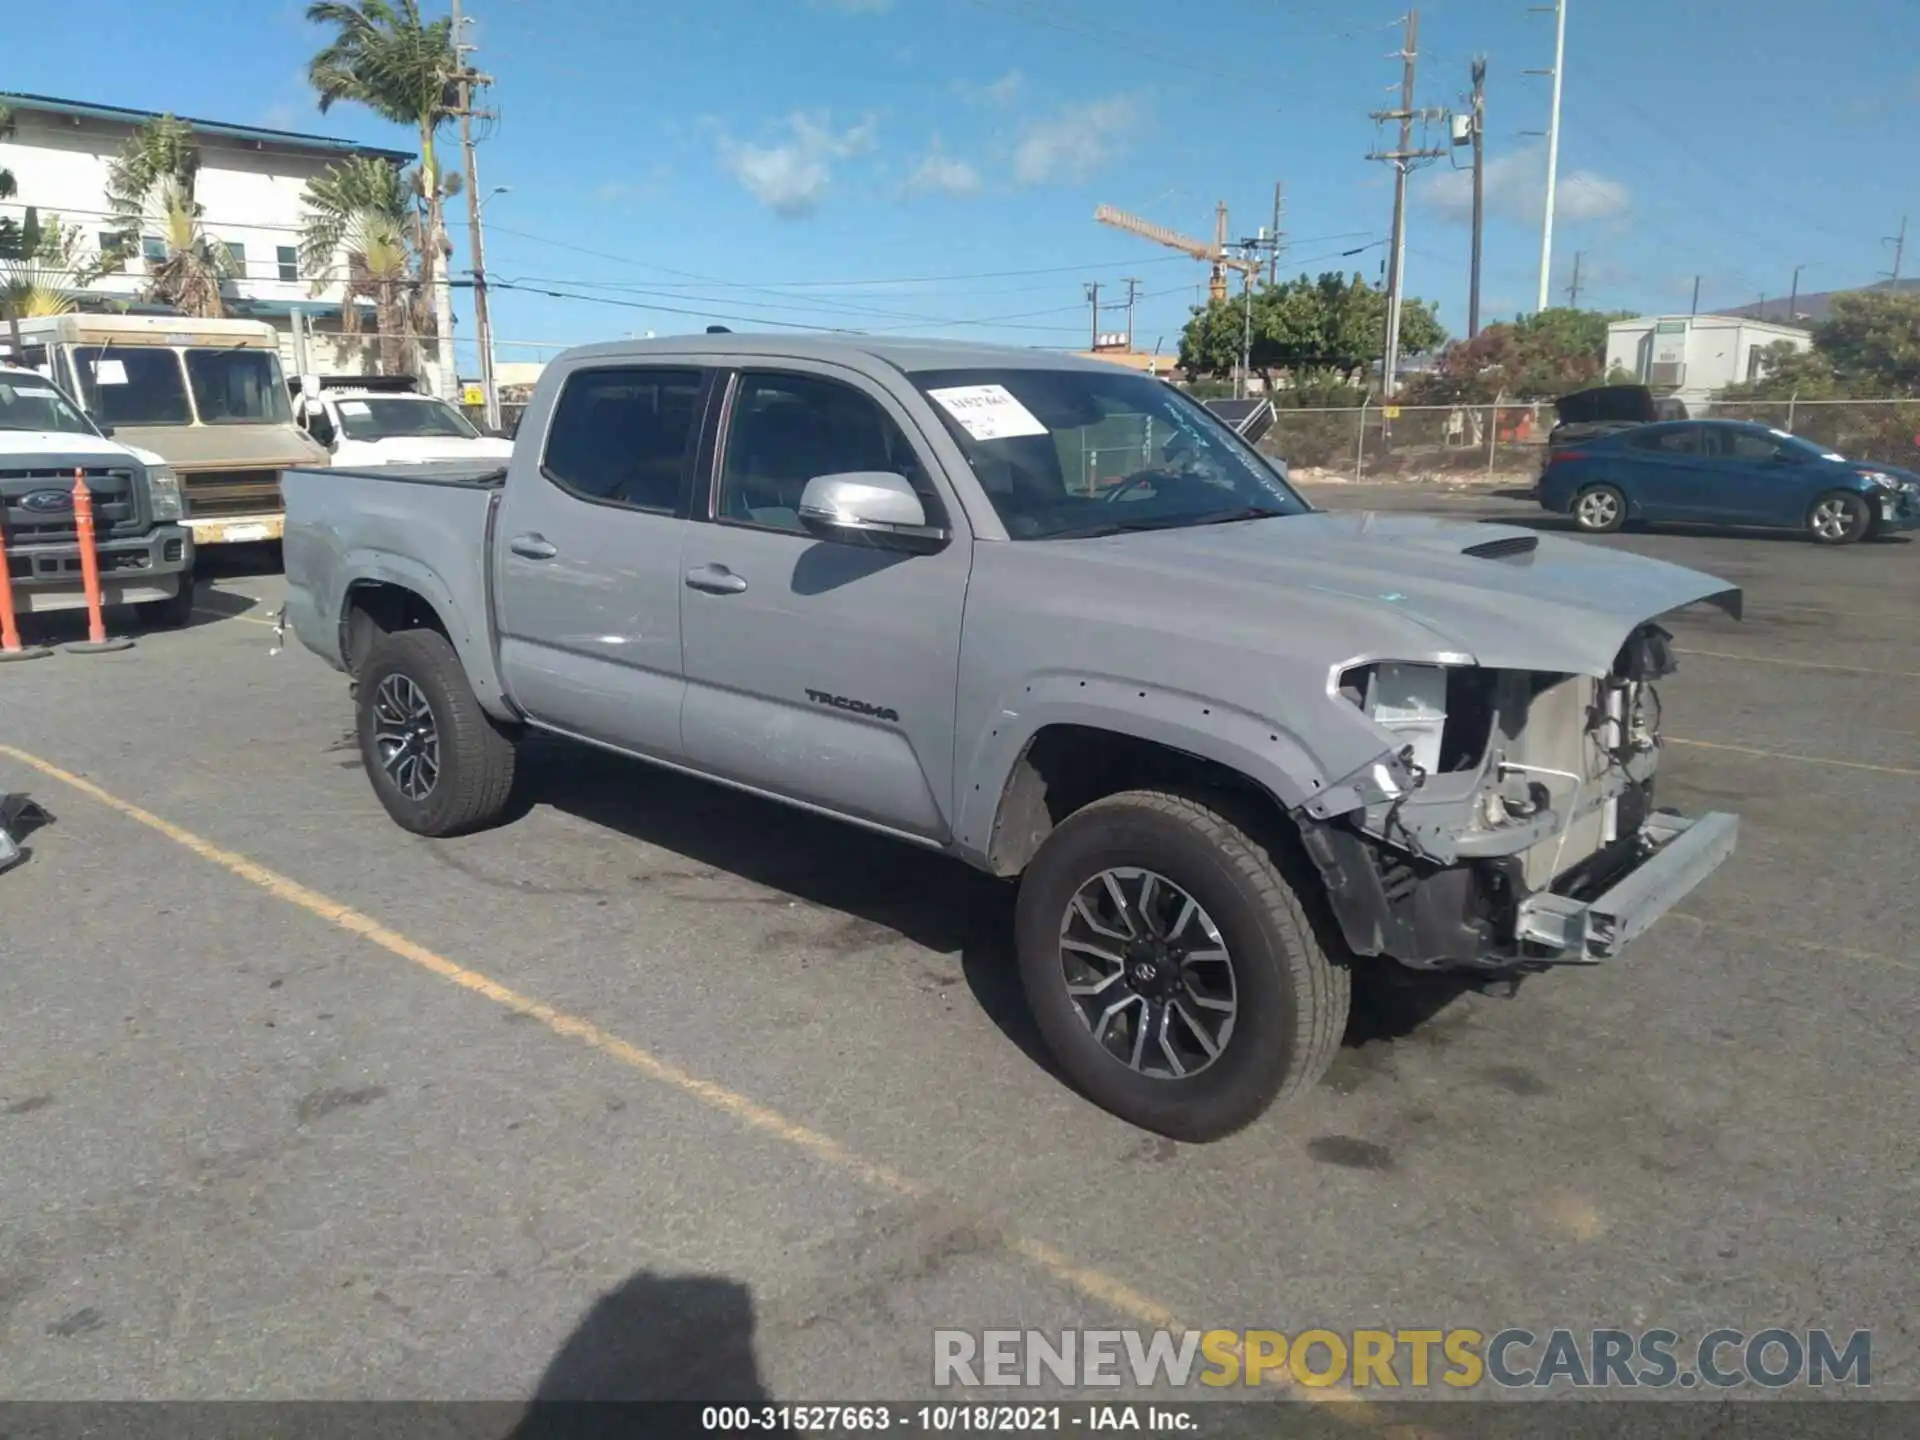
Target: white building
(249, 189)
(1696, 355)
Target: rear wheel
(1171, 968)
(1839, 517)
(437, 761)
(1600, 509)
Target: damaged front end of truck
(1509, 823)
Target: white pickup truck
(386, 420)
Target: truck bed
(425, 528)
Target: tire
(173, 613)
(1289, 1003)
(413, 685)
(1599, 509)
(1839, 517)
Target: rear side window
(129, 385)
(626, 436)
(1682, 441)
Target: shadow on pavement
(935, 902)
(682, 1338)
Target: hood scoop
(1504, 548)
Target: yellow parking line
(1784, 755)
(1799, 664)
(1087, 1281)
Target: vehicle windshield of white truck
(1067, 454)
(148, 385)
(28, 402)
(388, 417)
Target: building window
(237, 253)
(289, 261)
(108, 240)
(153, 249)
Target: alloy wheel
(405, 737)
(1598, 509)
(1148, 973)
(1832, 518)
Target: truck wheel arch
(380, 607)
(1064, 766)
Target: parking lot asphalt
(662, 1089)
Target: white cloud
(1516, 186)
(999, 93)
(941, 174)
(607, 191)
(1073, 143)
(791, 175)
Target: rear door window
(125, 385)
(1680, 440)
(626, 436)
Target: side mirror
(106, 431)
(869, 507)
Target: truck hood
(53, 446)
(1503, 596)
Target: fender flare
(1264, 751)
(367, 567)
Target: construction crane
(1215, 254)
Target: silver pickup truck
(1055, 619)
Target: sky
(932, 166)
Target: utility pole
(1899, 244)
(1273, 255)
(1245, 387)
(1696, 296)
(1133, 296)
(1793, 299)
(1093, 299)
(1402, 158)
(1559, 9)
(1573, 290)
(1479, 188)
(466, 78)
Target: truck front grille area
(117, 509)
(219, 494)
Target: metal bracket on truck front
(1684, 852)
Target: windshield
(238, 387)
(1070, 453)
(28, 402)
(133, 385)
(386, 417)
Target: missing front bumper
(1684, 853)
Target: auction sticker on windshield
(988, 412)
(109, 372)
(355, 407)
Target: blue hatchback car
(1726, 472)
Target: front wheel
(1171, 968)
(1839, 517)
(1600, 509)
(437, 761)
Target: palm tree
(385, 56)
(367, 213)
(42, 279)
(150, 189)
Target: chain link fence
(1506, 442)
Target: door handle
(533, 547)
(715, 580)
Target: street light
(497, 190)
